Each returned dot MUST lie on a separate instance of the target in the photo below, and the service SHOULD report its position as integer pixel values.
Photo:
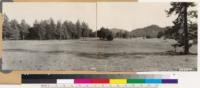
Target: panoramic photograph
(100, 36)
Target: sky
(58, 11)
(130, 16)
(123, 15)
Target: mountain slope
(151, 31)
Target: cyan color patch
(153, 81)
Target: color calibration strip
(118, 81)
(102, 81)
(65, 79)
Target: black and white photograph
(103, 36)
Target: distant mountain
(151, 31)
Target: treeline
(50, 30)
(111, 33)
(123, 34)
(105, 34)
(45, 30)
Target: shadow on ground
(103, 55)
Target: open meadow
(134, 54)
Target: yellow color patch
(118, 81)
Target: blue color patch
(153, 81)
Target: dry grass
(92, 54)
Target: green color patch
(135, 81)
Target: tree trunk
(186, 43)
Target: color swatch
(91, 79)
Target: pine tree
(180, 30)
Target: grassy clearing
(92, 54)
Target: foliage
(160, 34)
(110, 37)
(45, 30)
(105, 34)
(147, 36)
(123, 34)
(183, 29)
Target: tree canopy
(45, 30)
(183, 29)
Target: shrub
(148, 37)
(160, 34)
(110, 37)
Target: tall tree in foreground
(179, 30)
